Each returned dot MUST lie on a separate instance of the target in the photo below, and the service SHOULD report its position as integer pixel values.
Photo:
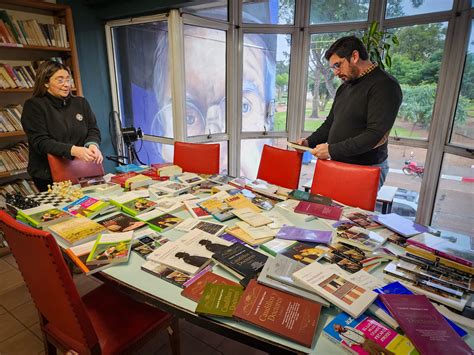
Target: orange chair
(65, 169)
(280, 167)
(197, 157)
(353, 185)
(103, 321)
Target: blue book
(128, 168)
(396, 288)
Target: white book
(172, 187)
(251, 217)
(337, 286)
(297, 146)
(195, 210)
(167, 204)
(190, 179)
(360, 237)
(207, 244)
(278, 220)
(210, 227)
(256, 232)
(187, 224)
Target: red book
(122, 178)
(287, 315)
(318, 210)
(195, 290)
(424, 325)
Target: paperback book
(147, 240)
(172, 187)
(305, 235)
(245, 237)
(399, 224)
(297, 146)
(166, 273)
(111, 249)
(256, 232)
(79, 254)
(219, 300)
(195, 290)
(309, 197)
(318, 210)
(220, 179)
(255, 219)
(190, 179)
(361, 218)
(121, 222)
(160, 221)
(76, 231)
(86, 207)
(359, 237)
(210, 227)
(304, 253)
(195, 210)
(219, 209)
(43, 216)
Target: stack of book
(10, 118)
(14, 158)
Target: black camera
(131, 134)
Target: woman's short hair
(44, 72)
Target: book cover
(203, 243)
(79, 254)
(122, 178)
(245, 237)
(195, 290)
(219, 300)
(85, 207)
(166, 273)
(111, 249)
(121, 222)
(424, 325)
(210, 227)
(256, 232)
(195, 210)
(305, 235)
(43, 215)
(138, 205)
(307, 196)
(297, 146)
(289, 316)
(399, 224)
(241, 261)
(337, 286)
(359, 237)
(172, 187)
(147, 240)
(364, 336)
(163, 222)
(318, 210)
(220, 179)
(304, 253)
(463, 254)
(278, 220)
(76, 230)
(219, 209)
(255, 219)
(190, 179)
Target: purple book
(232, 239)
(304, 235)
(400, 224)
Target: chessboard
(44, 198)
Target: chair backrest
(66, 169)
(50, 283)
(197, 158)
(353, 185)
(280, 167)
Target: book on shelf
(44, 215)
(276, 273)
(289, 316)
(305, 235)
(79, 254)
(219, 300)
(241, 261)
(337, 286)
(357, 236)
(160, 221)
(318, 210)
(309, 197)
(111, 248)
(86, 207)
(297, 146)
(462, 254)
(364, 335)
(146, 240)
(424, 325)
(195, 289)
(298, 251)
(75, 231)
(255, 219)
(245, 237)
(399, 224)
(120, 222)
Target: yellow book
(240, 201)
(443, 261)
(245, 237)
(76, 231)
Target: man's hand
(321, 151)
(303, 142)
(98, 158)
(82, 153)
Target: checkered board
(45, 198)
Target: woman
(58, 123)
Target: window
(268, 11)
(205, 72)
(152, 152)
(215, 10)
(266, 63)
(251, 151)
(326, 11)
(397, 8)
(415, 64)
(463, 129)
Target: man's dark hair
(344, 47)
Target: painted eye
(246, 106)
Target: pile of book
(14, 158)
(10, 118)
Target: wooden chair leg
(173, 332)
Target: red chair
(103, 321)
(280, 167)
(65, 169)
(197, 158)
(353, 185)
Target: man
(364, 110)
(353, 336)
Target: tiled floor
(20, 332)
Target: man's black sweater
(363, 112)
(53, 125)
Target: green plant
(378, 44)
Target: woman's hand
(82, 153)
(98, 158)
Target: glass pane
(324, 11)
(397, 8)
(266, 70)
(274, 12)
(251, 151)
(152, 152)
(455, 197)
(406, 172)
(205, 71)
(322, 84)
(215, 10)
(224, 165)
(415, 64)
(463, 129)
(144, 99)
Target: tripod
(131, 157)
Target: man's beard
(353, 74)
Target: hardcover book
(111, 249)
(364, 336)
(305, 235)
(241, 261)
(318, 210)
(399, 224)
(122, 178)
(195, 290)
(219, 300)
(289, 316)
(76, 230)
(121, 222)
(424, 325)
(337, 286)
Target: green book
(111, 248)
(219, 300)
